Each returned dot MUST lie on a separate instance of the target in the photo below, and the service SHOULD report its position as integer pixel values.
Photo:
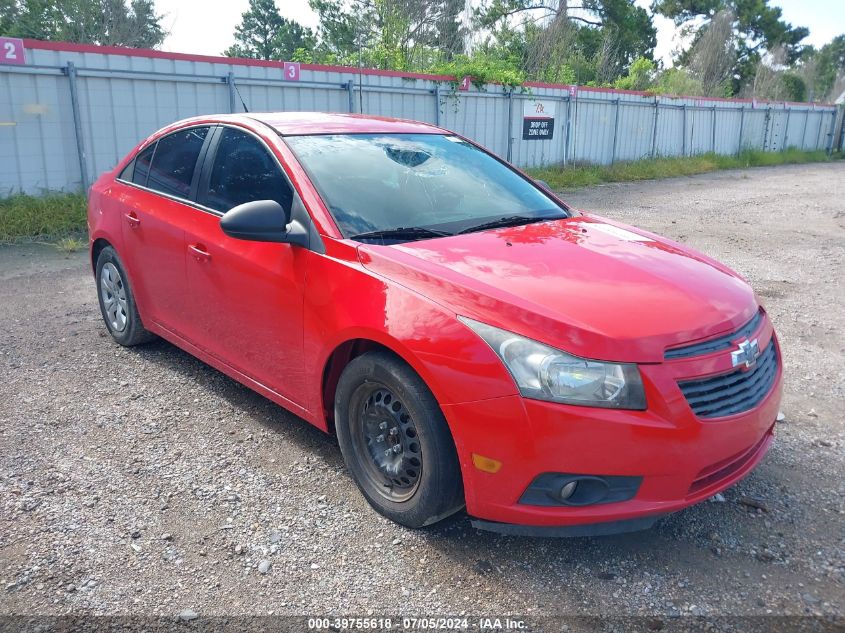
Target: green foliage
(104, 22)
(794, 86)
(594, 44)
(448, 37)
(755, 21)
(390, 34)
(829, 62)
(639, 77)
(52, 215)
(573, 177)
(71, 244)
(628, 27)
(758, 28)
(677, 81)
(292, 37)
(9, 16)
(482, 69)
(598, 43)
(337, 32)
(264, 34)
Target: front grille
(715, 344)
(738, 391)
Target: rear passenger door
(246, 297)
(156, 204)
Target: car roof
(294, 123)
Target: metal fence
(72, 111)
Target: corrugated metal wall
(122, 96)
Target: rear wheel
(117, 304)
(395, 441)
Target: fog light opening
(567, 490)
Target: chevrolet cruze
(470, 339)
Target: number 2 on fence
(11, 51)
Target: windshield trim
(564, 208)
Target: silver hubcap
(113, 294)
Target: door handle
(199, 252)
(133, 219)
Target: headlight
(545, 373)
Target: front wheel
(396, 442)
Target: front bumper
(682, 459)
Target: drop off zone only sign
(538, 120)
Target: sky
(196, 28)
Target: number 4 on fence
(11, 51)
(291, 70)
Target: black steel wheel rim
(386, 442)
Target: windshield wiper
(402, 233)
(508, 220)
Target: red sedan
(472, 340)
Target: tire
(417, 484)
(117, 304)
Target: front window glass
(244, 171)
(380, 182)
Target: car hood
(587, 285)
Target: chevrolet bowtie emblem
(747, 354)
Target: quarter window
(142, 165)
(244, 171)
(174, 161)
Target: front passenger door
(247, 297)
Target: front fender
(344, 301)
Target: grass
(71, 244)
(580, 175)
(49, 217)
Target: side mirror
(543, 184)
(263, 221)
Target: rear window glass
(174, 162)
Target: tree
(713, 55)
(104, 22)
(628, 26)
(338, 31)
(256, 35)
(293, 37)
(829, 63)
(767, 77)
(264, 34)
(449, 32)
(639, 77)
(598, 38)
(794, 86)
(757, 27)
(398, 34)
(9, 15)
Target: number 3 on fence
(11, 51)
(291, 70)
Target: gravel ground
(144, 482)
